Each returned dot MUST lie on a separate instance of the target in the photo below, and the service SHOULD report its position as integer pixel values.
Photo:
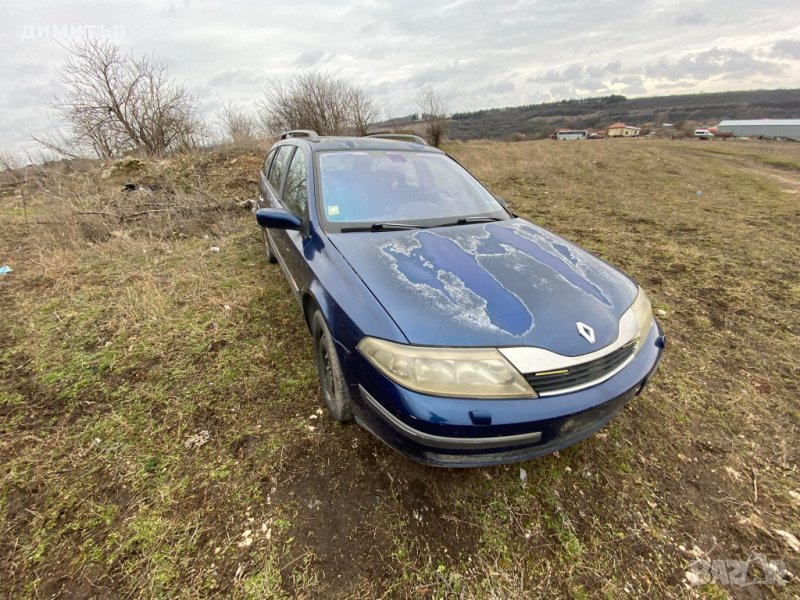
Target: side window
(279, 167)
(267, 162)
(295, 193)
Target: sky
(476, 54)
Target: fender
(326, 284)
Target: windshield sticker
(333, 210)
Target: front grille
(582, 375)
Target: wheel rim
(325, 368)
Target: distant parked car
(454, 331)
(703, 134)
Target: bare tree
(9, 167)
(318, 101)
(237, 126)
(363, 110)
(114, 102)
(434, 113)
(8, 162)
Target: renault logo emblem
(586, 331)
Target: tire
(334, 387)
(271, 258)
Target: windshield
(400, 187)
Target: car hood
(505, 283)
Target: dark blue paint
(503, 308)
(544, 294)
(561, 267)
(509, 417)
(449, 416)
(534, 301)
(277, 218)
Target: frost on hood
(455, 271)
(481, 302)
(575, 266)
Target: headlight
(467, 372)
(643, 312)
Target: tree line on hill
(534, 121)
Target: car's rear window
(399, 186)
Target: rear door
(272, 179)
(263, 182)
(294, 198)
(270, 191)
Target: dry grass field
(161, 432)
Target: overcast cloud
(477, 54)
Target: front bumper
(468, 432)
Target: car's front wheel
(331, 378)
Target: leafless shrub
(9, 167)
(114, 103)
(238, 127)
(318, 101)
(8, 162)
(434, 112)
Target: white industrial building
(770, 128)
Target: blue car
(457, 333)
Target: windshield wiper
(380, 227)
(468, 220)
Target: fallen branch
(152, 210)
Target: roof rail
(400, 137)
(310, 134)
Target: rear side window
(295, 193)
(267, 162)
(279, 167)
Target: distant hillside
(540, 120)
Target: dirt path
(788, 178)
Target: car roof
(326, 143)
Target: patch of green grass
(11, 400)
(711, 591)
(781, 163)
(266, 582)
(571, 546)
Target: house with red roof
(619, 129)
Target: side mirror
(277, 218)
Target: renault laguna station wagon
(456, 332)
